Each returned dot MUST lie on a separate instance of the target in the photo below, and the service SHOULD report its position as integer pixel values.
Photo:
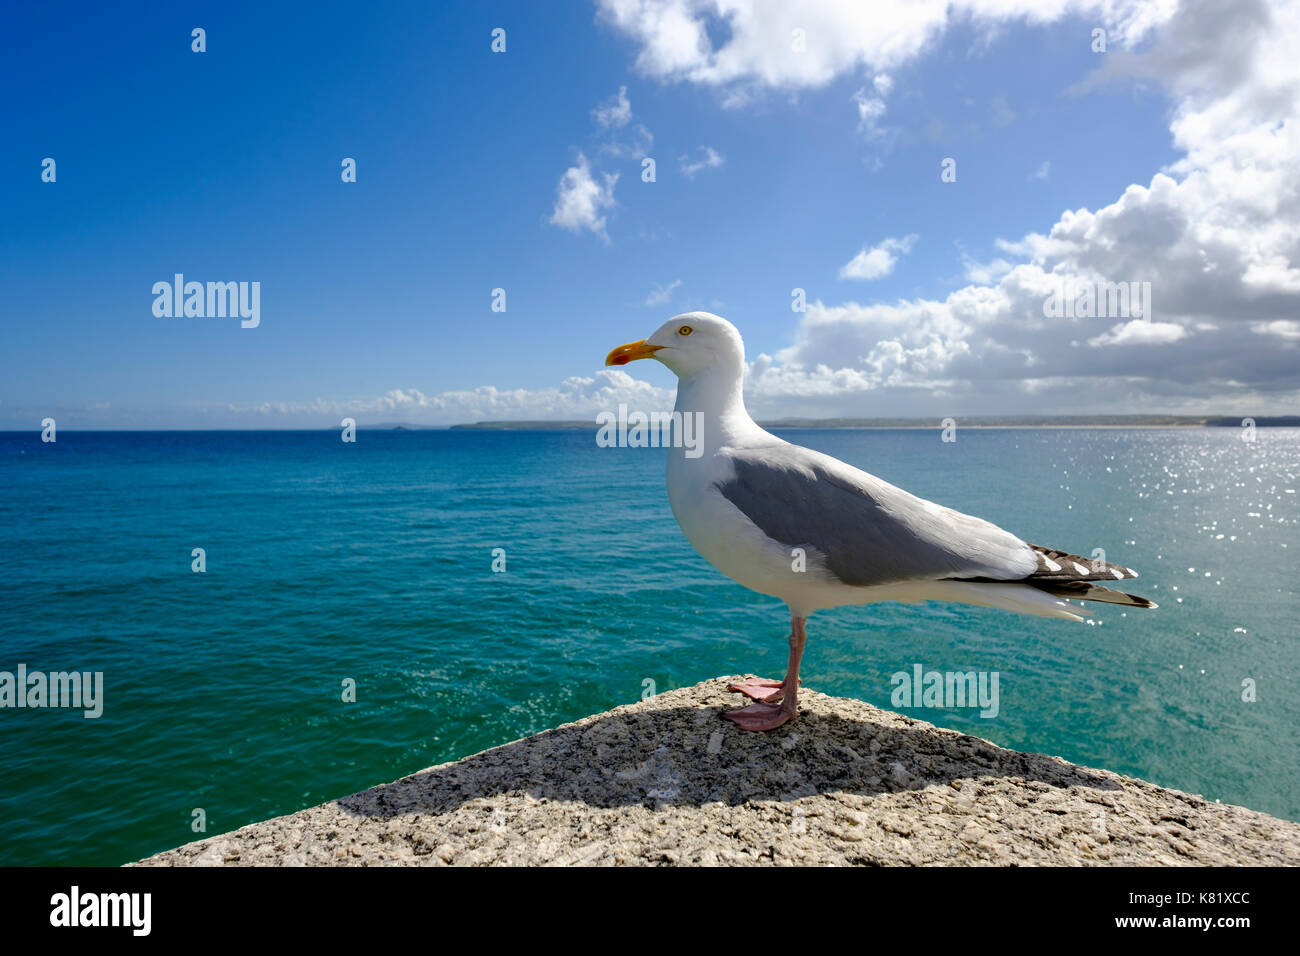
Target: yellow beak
(631, 352)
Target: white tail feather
(1012, 597)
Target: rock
(666, 782)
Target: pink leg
(767, 714)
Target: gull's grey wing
(868, 531)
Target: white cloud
(578, 397)
(613, 117)
(635, 144)
(675, 38)
(710, 158)
(985, 273)
(614, 112)
(663, 293)
(871, 105)
(1141, 332)
(878, 261)
(581, 200)
(870, 111)
(1288, 329)
(1042, 172)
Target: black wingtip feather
(1088, 591)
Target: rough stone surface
(665, 781)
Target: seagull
(799, 525)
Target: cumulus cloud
(878, 261)
(1288, 329)
(985, 273)
(1141, 332)
(709, 158)
(750, 45)
(581, 199)
(743, 49)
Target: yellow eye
(685, 330)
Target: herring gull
(817, 533)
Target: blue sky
(376, 295)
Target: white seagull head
(690, 344)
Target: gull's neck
(718, 393)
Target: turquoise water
(328, 561)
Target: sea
(281, 618)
